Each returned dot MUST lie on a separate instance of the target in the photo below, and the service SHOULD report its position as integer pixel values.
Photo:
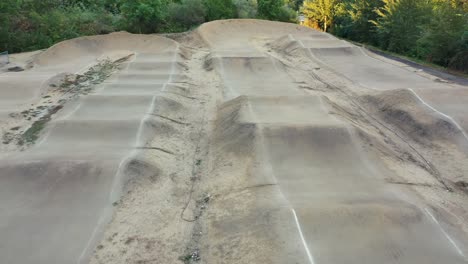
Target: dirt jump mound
(406, 112)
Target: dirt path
(445, 75)
(158, 219)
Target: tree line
(431, 30)
(36, 24)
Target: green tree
(343, 24)
(187, 13)
(277, 10)
(219, 9)
(246, 8)
(295, 4)
(270, 9)
(30, 25)
(442, 37)
(399, 24)
(321, 11)
(361, 13)
(352, 20)
(9, 9)
(144, 16)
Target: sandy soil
(244, 141)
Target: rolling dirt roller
(243, 141)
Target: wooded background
(435, 31)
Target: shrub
(287, 14)
(399, 24)
(275, 10)
(144, 16)
(219, 9)
(246, 8)
(459, 62)
(187, 13)
(443, 35)
(270, 9)
(32, 26)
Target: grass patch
(186, 258)
(75, 85)
(82, 84)
(190, 258)
(32, 134)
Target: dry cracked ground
(243, 141)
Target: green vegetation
(275, 10)
(72, 85)
(187, 13)
(32, 134)
(322, 12)
(83, 84)
(186, 258)
(435, 31)
(27, 25)
(30, 25)
(219, 9)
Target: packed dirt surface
(244, 141)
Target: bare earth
(244, 141)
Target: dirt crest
(404, 110)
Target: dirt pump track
(243, 141)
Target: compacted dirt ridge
(244, 141)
